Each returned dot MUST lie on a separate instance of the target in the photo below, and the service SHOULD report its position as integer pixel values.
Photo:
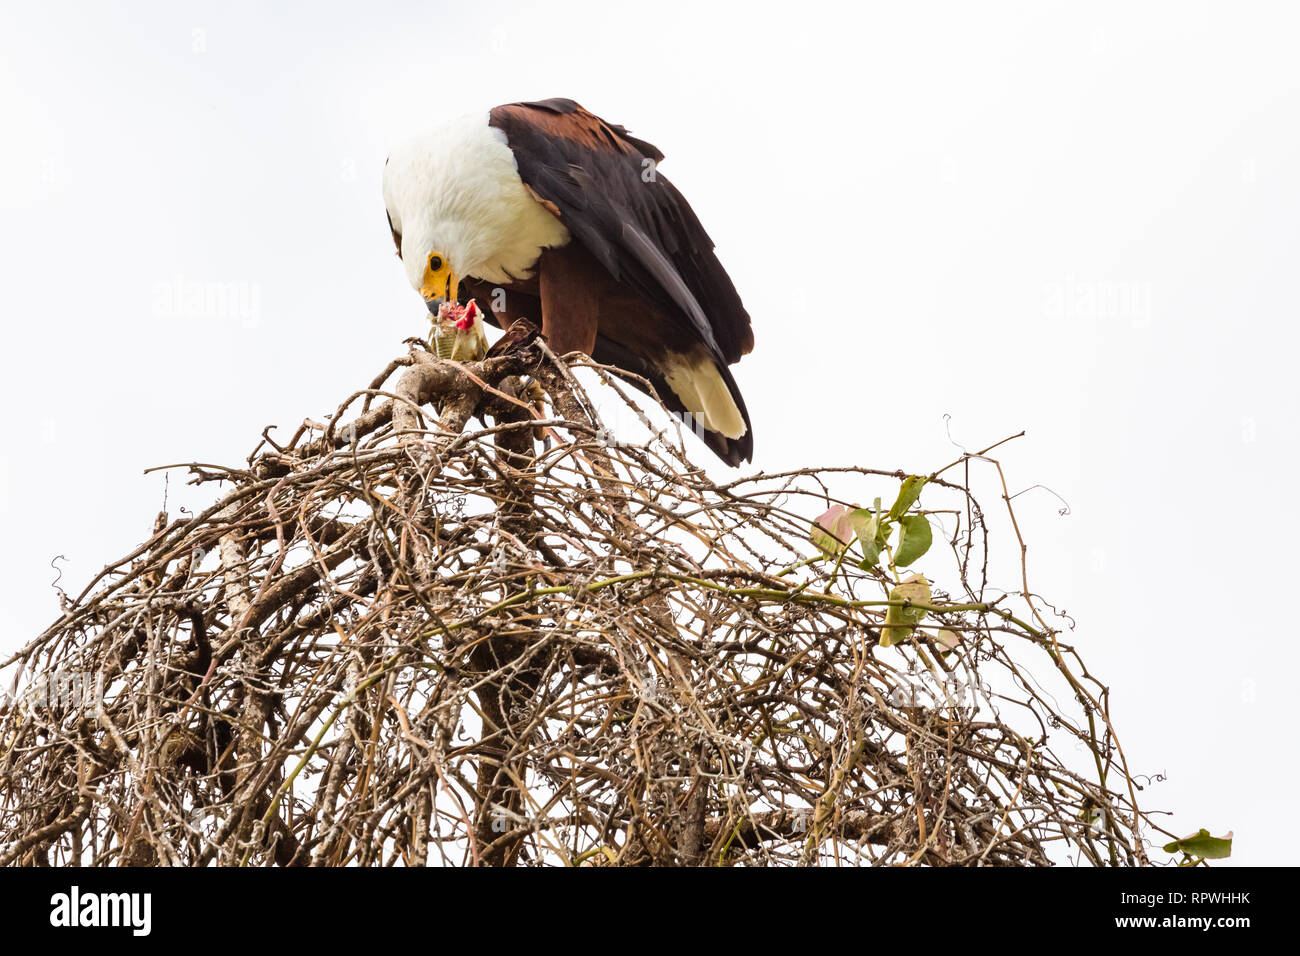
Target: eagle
(542, 210)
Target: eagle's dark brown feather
(637, 229)
(612, 197)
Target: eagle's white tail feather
(704, 393)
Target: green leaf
(914, 538)
(866, 525)
(907, 496)
(900, 621)
(1203, 845)
(833, 531)
(883, 529)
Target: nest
(411, 639)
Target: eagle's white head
(458, 208)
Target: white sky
(1082, 220)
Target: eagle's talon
(535, 396)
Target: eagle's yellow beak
(440, 283)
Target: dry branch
(406, 639)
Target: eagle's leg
(569, 281)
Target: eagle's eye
(435, 263)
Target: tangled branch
(395, 639)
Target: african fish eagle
(544, 210)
